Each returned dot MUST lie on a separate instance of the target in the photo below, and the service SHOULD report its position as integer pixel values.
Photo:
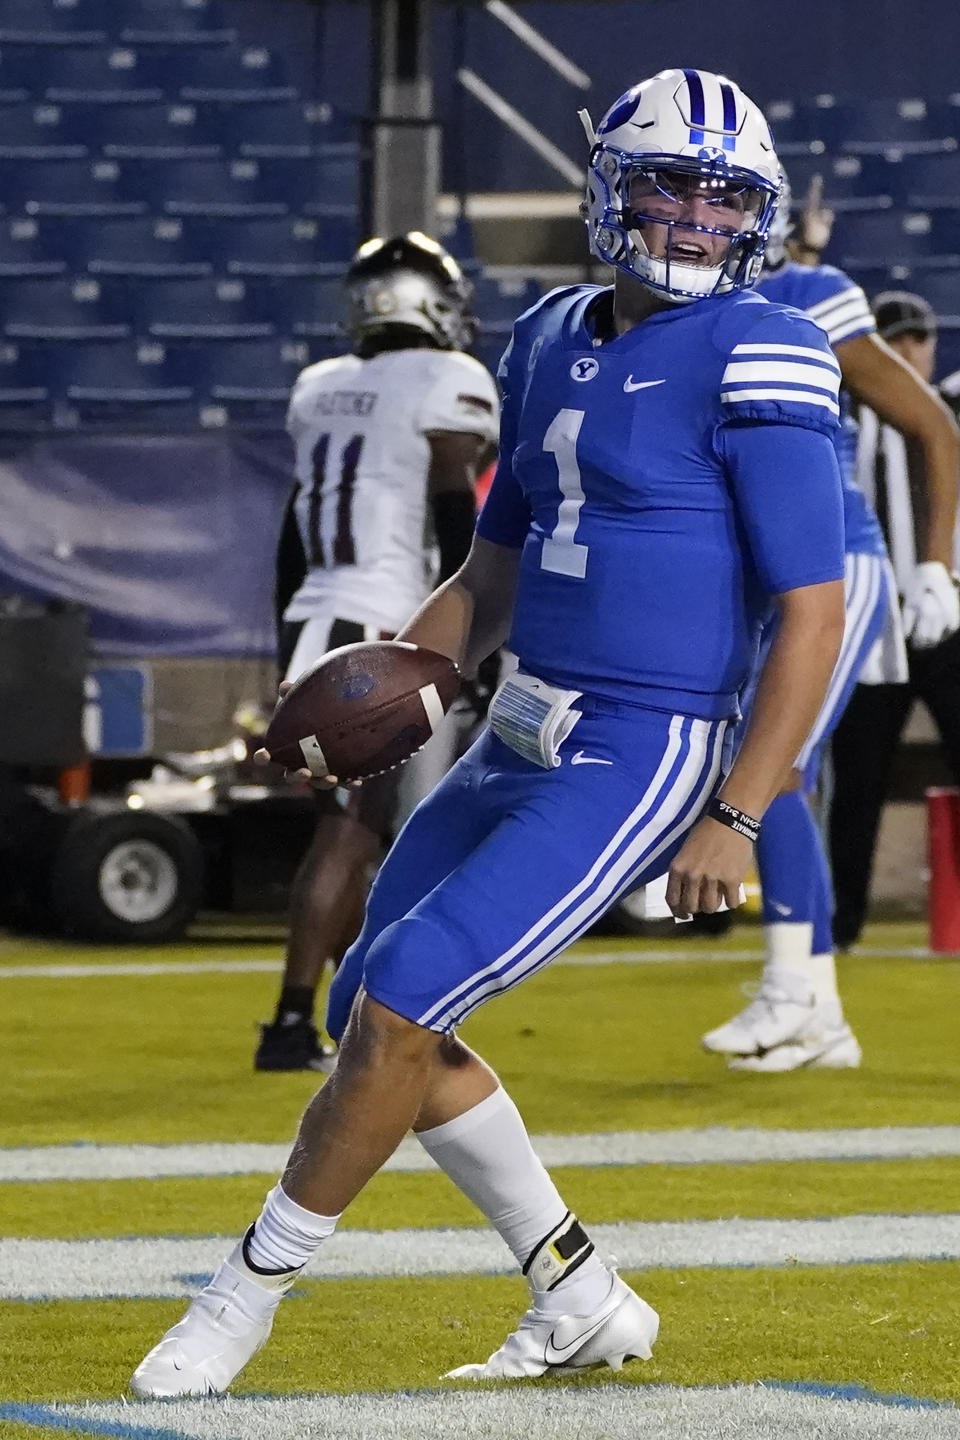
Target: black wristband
(729, 815)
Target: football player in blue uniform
(796, 1018)
(667, 471)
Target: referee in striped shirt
(864, 744)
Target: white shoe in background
(781, 1009)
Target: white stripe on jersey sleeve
(803, 397)
(858, 325)
(842, 297)
(844, 315)
(803, 352)
(780, 371)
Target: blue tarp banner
(168, 541)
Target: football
(362, 709)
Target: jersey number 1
(344, 550)
(561, 554)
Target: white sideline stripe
(162, 1267)
(137, 967)
(713, 1146)
(616, 1412)
(644, 956)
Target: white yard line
(90, 1269)
(714, 1146)
(608, 1412)
(653, 956)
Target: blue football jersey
(648, 558)
(841, 309)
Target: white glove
(931, 605)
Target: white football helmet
(671, 150)
(409, 283)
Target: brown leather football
(362, 709)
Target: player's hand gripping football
(708, 868)
(319, 782)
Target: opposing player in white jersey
(388, 442)
(796, 1019)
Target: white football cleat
(780, 1010)
(222, 1330)
(825, 1043)
(624, 1328)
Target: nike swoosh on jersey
(581, 759)
(781, 909)
(629, 385)
(558, 1351)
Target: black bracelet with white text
(729, 815)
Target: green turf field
(112, 1061)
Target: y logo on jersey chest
(584, 369)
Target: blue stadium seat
(941, 288)
(849, 181)
(500, 300)
(249, 380)
(25, 398)
(99, 75)
(933, 181)
(275, 128)
(323, 183)
(158, 246)
(37, 125)
(881, 236)
(872, 126)
(820, 117)
(176, 68)
(791, 126)
(29, 249)
(305, 308)
(292, 245)
(178, 15)
(77, 309)
(126, 384)
(202, 187)
(66, 187)
(48, 15)
(138, 131)
(215, 309)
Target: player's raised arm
(878, 376)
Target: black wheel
(127, 876)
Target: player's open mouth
(689, 252)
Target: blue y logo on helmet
(621, 112)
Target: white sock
(487, 1154)
(286, 1235)
(790, 964)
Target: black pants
(863, 748)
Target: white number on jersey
(339, 549)
(561, 554)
